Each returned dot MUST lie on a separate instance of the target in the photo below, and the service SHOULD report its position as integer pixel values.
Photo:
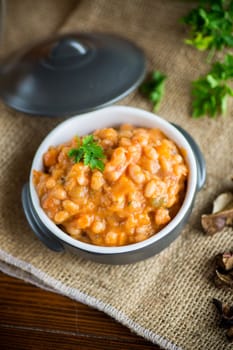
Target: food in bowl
(131, 190)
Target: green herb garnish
(153, 88)
(211, 91)
(211, 25)
(89, 152)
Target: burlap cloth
(168, 298)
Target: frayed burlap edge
(20, 269)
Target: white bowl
(56, 239)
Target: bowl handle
(36, 224)
(201, 165)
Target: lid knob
(67, 47)
(67, 51)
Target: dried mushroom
(224, 270)
(226, 313)
(221, 216)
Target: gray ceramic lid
(72, 74)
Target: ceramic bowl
(56, 239)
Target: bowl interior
(113, 117)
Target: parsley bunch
(211, 91)
(153, 88)
(89, 152)
(211, 25)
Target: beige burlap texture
(168, 298)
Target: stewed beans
(139, 191)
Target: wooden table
(31, 318)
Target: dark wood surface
(31, 318)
